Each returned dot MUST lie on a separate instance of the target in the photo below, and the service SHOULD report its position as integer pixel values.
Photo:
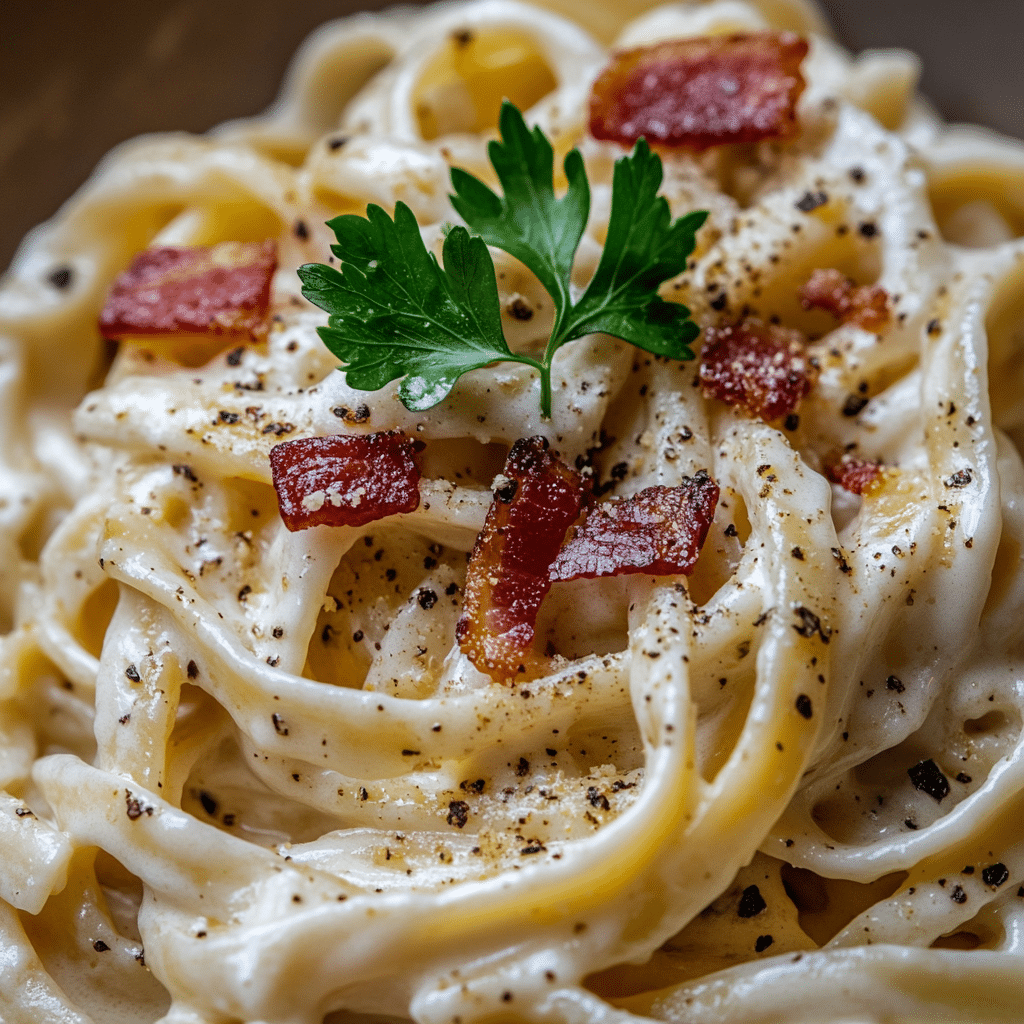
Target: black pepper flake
(963, 778)
(803, 705)
(357, 636)
(136, 808)
(910, 823)
(928, 778)
(854, 404)
(719, 302)
(519, 309)
(24, 812)
(894, 683)
(934, 327)
(227, 417)
(856, 174)
(731, 531)
(360, 414)
(209, 803)
(277, 632)
(458, 813)
(961, 478)
(969, 869)
(811, 201)
(797, 554)
(958, 895)
(301, 231)
(100, 946)
(125, 719)
(792, 421)
(810, 624)
(192, 671)
(410, 753)
(61, 277)
(234, 357)
(244, 592)
(532, 848)
(472, 787)
(868, 229)
(133, 674)
(391, 575)
(523, 767)
(279, 727)
(597, 798)
(426, 598)
(995, 875)
(186, 471)
(336, 142)
(363, 795)
(763, 942)
(751, 902)
(278, 429)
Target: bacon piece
(222, 289)
(346, 480)
(535, 502)
(866, 306)
(659, 531)
(701, 92)
(858, 476)
(758, 366)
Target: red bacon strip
(346, 480)
(757, 366)
(701, 92)
(858, 476)
(658, 531)
(507, 578)
(223, 289)
(866, 306)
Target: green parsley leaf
(394, 312)
(529, 222)
(643, 248)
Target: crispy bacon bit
(223, 289)
(758, 366)
(346, 480)
(858, 476)
(536, 499)
(658, 531)
(866, 306)
(701, 92)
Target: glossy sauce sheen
(507, 577)
(346, 480)
(222, 289)
(658, 531)
(756, 366)
(701, 92)
(866, 306)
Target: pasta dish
(672, 671)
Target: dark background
(78, 76)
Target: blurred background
(78, 77)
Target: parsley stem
(545, 389)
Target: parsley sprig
(395, 312)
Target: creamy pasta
(248, 774)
